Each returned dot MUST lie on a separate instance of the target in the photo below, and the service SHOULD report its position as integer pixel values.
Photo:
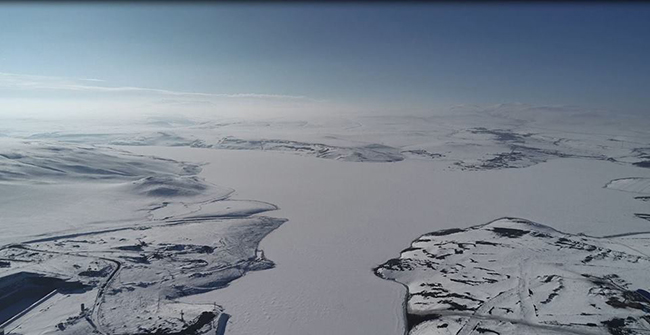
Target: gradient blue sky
(371, 56)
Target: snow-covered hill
(513, 276)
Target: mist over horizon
(308, 59)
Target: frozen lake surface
(347, 218)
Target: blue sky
(411, 56)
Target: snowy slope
(465, 137)
(122, 234)
(513, 276)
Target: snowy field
(112, 240)
(152, 225)
(513, 276)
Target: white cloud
(24, 95)
(13, 81)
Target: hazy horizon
(229, 59)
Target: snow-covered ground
(355, 190)
(513, 276)
(124, 236)
(466, 138)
